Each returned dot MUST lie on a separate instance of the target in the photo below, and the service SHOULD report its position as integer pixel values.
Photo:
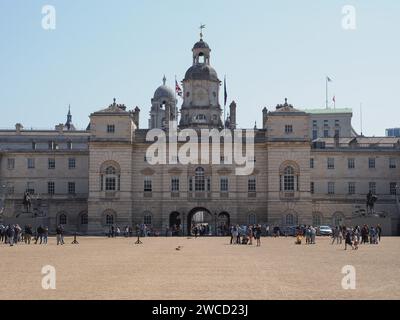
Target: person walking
(250, 234)
(348, 240)
(45, 234)
(59, 232)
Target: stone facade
(88, 180)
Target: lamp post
(215, 224)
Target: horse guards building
(310, 167)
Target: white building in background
(310, 167)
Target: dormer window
(110, 128)
(288, 129)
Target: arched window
(109, 219)
(110, 179)
(289, 219)
(317, 219)
(252, 218)
(147, 219)
(84, 219)
(199, 180)
(288, 179)
(62, 219)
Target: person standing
(28, 234)
(313, 234)
(379, 231)
(250, 234)
(10, 235)
(258, 235)
(58, 233)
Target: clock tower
(201, 108)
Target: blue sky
(268, 51)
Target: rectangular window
(392, 188)
(372, 187)
(315, 134)
(33, 145)
(351, 163)
(71, 187)
(312, 163)
(111, 183)
(392, 163)
(352, 187)
(52, 163)
(10, 164)
(190, 184)
(30, 187)
(331, 188)
(288, 182)
(371, 163)
(31, 163)
(325, 123)
(251, 185)
(147, 185)
(51, 187)
(331, 163)
(71, 163)
(336, 123)
(288, 128)
(312, 187)
(314, 123)
(326, 133)
(224, 184)
(110, 128)
(174, 184)
(69, 145)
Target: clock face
(201, 97)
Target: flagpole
(326, 102)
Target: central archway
(200, 217)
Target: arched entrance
(175, 223)
(223, 224)
(203, 219)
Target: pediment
(147, 172)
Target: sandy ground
(205, 268)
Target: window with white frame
(251, 184)
(109, 219)
(31, 163)
(147, 219)
(111, 179)
(174, 184)
(392, 163)
(71, 187)
(288, 179)
(351, 163)
(110, 128)
(351, 187)
(288, 128)
(199, 180)
(331, 188)
(51, 187)
(71, 163)
(10, 163)
(147, 185)
(372, 187)
(393, 188)
(331, 163)
(51, 163)
(224, 184)
(371, 163)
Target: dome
(164, 92)
(201, 72)
(201, 45)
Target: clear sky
(268, 50)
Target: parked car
(289, 231)
(324, 231)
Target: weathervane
(202, 26)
